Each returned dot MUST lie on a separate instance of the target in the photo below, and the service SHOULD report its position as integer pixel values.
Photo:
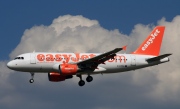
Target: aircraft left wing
(93, 62)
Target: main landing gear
(32, 76)
(89, 78)
(82, 82)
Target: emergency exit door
(33, 58)
(133, 60)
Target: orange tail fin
(152, 44)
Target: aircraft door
(133, 60)
(33, 58)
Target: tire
(31, 80)
(89, 78)
(81, 83)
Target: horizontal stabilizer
(157, 58)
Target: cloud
(151, 86)
(169, 74)
(65, 31)
(4, 74)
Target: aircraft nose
(10, 65)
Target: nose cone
(10, 65)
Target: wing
(92, 63)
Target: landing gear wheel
(81, 83)
(31, 80)
(32, 76)
(89, 78)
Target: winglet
(124, 48)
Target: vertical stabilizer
(152, 44)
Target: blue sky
(17, 16)
(120, 22)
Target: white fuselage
(46, 62)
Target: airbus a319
(62, 66)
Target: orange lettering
(110, 60)
(75, 59)
(83, 57)
(58, 57)
(115, 58)
(49, 57)
(40, 57)
(67, 57)
(122, 58)
(92, 55)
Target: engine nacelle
(56, 77)
(66, 69)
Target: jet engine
(66, 69)
(56, 77)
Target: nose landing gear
(32, 76)
(31, 80)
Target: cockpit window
(15, 58)
(19, 58)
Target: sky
(89, 26)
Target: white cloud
(79, 34)
(84, 34)
(168, 87)
(4, 75)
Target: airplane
(62, 66)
